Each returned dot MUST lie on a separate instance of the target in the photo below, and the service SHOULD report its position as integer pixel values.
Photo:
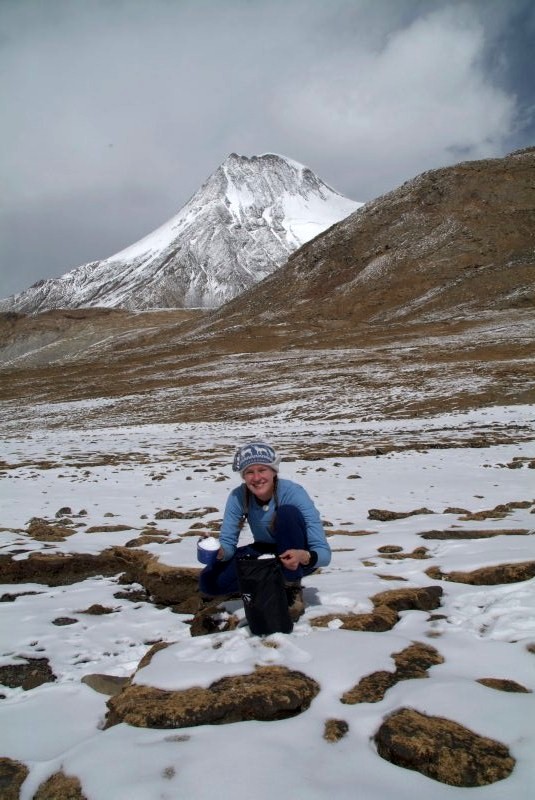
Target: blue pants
(289, 532)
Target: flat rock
(504, 685)
(141, 541)
(169, 513)
(109, 528)
(106, 684)
(384, 515)
(474, 534)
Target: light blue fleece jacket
(288, 493)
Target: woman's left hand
(291, 559)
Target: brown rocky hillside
(448, 245)
(421, 301)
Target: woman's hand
(292, 559)
(220, 554)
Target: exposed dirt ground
(151, 368)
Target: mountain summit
(241, 225)
(455, 243)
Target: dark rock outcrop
(27, 675)
(213, 618)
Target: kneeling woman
(283, 520)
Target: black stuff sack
(264, 596)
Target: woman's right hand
(220, 554)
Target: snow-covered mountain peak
(241, 225)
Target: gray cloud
(117, 110)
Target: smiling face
(259, 479)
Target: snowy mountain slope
(242, 224)
(452, 243)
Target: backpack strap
(246, 499)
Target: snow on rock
(241, 225)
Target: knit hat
(255, 453)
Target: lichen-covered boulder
(268, 693)
(442, 749)
(488, 576)
(412, 662)
(335, 729)
(421, 598)
(12, 776)
(60, 787)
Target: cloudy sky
(116, 111)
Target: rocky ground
(431, 526)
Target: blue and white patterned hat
(255, 453)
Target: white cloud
(419, 101)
